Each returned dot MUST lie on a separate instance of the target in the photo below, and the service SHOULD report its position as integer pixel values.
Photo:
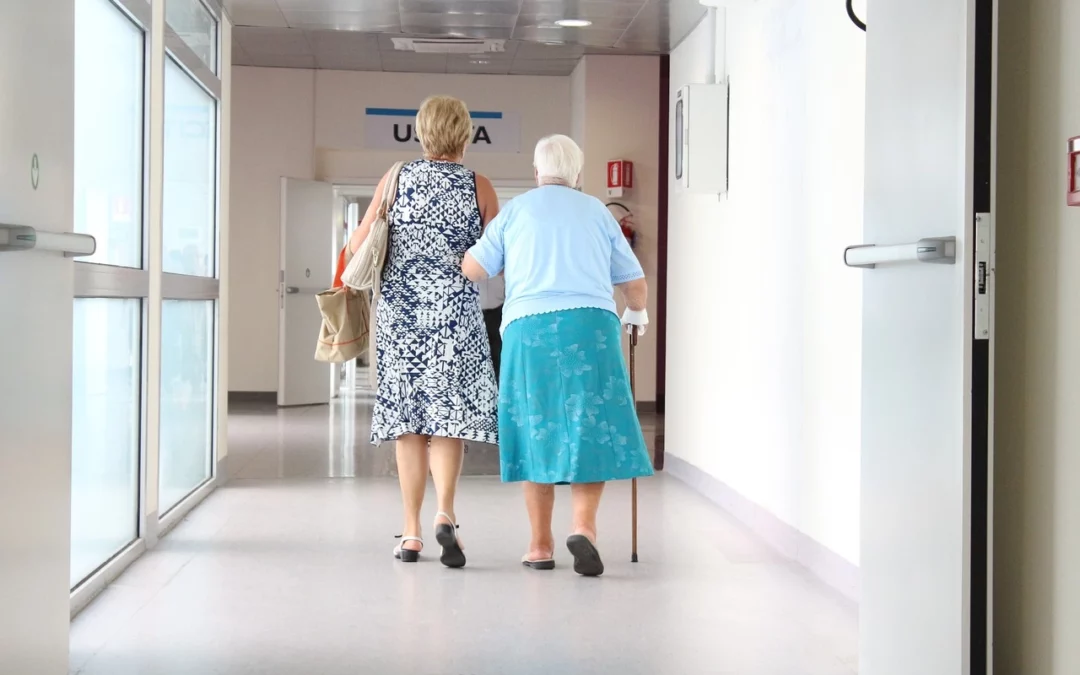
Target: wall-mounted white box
(701, 138)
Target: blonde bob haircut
(443, 126)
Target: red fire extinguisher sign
(620, 177)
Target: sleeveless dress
(434, 370)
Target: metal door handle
(291, 290)
(23, 238)
(935, 250)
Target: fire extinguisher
(625, 218)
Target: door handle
(292, 290)
(934, 250)
(23, 238)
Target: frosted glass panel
(187, 377)
(105, 445)
(190, 199)
(195, 25)
(109, 132)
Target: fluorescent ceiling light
(573, 23)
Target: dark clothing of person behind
(493, 319)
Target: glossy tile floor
(287, 570)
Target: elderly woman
(566, 414)
(436, 384)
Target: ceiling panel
(259, 16)
(461, 7)
(344, 50)
(550, 11)
(355, 34)
(258, 42)
(239, 56)
(539, 51)
(370, 22)
(306, 61)
(580, 36)
(339, 5)
(428, 23)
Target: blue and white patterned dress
(435, 376)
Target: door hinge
(984, 270)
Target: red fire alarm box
(1074, 171)
(620, 177)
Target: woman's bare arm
(473, 270)
(635, 293)
(486, 199)
(488, 203)
(362, 230)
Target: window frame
(106, 281)
(151, 286)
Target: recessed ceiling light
(573, 23)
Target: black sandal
(587, 560)
(446, 534)
(407, 554)
(538, 564)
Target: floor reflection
(331, 441)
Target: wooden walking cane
(633, 483)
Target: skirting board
(790, 542)
(252, 397)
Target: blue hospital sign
(395, 129)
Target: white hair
(559, 157)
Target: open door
(927, 338)
(307, 255)
(37, 125)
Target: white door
(927, 375)
(307, 255)
(36, 314)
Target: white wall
(764, 322)
(273, 127)
(616, 113)
(577, 103)
(310, 124)
(1037, 542)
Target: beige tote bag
(346, 328)
(364, 270)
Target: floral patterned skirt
(566, 414)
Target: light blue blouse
(559, 249)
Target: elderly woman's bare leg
(540, 502)
(447, 455)
(586, 498)
(582, 543)
(412, 467)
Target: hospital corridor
(500, 337)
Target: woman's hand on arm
(473, 270)
(362, 230)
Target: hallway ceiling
(356, 34)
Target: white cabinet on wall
(701, 138)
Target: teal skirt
(566, 414)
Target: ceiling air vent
(448, 45)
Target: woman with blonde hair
(566, 413)
(436, 384)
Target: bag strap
(390, 189)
